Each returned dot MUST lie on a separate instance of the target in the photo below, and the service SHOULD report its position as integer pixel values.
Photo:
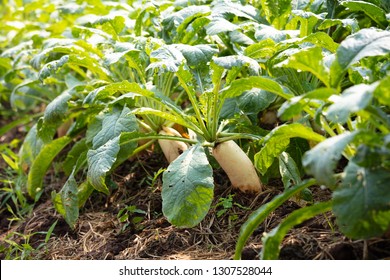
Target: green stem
(194, 104)
(223, 137)
(157, 137)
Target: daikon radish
(172, 149)
(238, 166)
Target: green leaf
(42, 163)
(288, 170)
(273, 239)
(188, 188)
(352, 100)
(237, 87)
(259, 215)
(196, 55)
(264, 32)
(31, 147)
(238, 61)
(166, 59)
(72, 59)
(264, 49)
(181, 119)
(365, 43)
(125, 86)
(121, 50)
(276, 11)
(361, 203)
(113, 124)
(227, 8)
(75, 157)
(70, 201)
(308, 59)
(371, 10)
(100, 161)
(55, 110)
(349, 23)
(296, 105)
(382, 91)
(278, 140)
(187, 14)
(105, 134)
(306, 21)
(323, 158)
(323, 40)
(255, 100)
(220, 25)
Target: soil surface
(146, 234)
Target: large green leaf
(188, 188)
(323, 158)
(365, 43)
(278, 140)
(361, 203)
(352, 100)
(42, 163)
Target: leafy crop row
(299, 85)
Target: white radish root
(172, 149)
(238, 166)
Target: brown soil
(100, 235)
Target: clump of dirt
(99, 234)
